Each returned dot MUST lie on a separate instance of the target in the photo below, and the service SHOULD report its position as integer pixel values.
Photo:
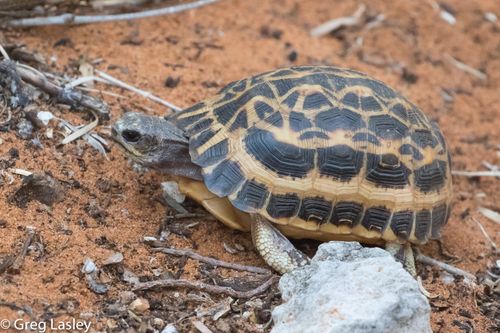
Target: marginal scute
(315, 208)
(225, 112)
(198, 127)
(401, 224)
(283, 205)
(431, 177)
(225, 178)
(346, 213)
(376, 218)
(422, 224)
(439, 218)
(424, 138)
(400, 111)
(251, 197)
(213, 154)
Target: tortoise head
(155, 142)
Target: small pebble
(158, 322)
(170, 328)
(88, 266)
(113, 259)
(24, 129)
(140, 305)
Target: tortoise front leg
(404, 254)
(275, 249)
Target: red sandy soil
(207, 48)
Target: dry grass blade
(80, 132)
(21, 172)
(338, 23)
(146, 94)
(490, 214)
(466, 68)
(4, 53)
(476, 173)
(481, 227)
(76, 19)
(93, 139)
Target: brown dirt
(207, 48)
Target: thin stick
(490, 214)
(80, 132)
(4, 53)
(481, 227)
(65, 95)
(465, 68)
(143, 93)
(476, 173)
(211, 261)
(76, 19)
(338, 23)
(448, 268)
(18, 262)
(197, 285)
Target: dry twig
(146, 94)
(18, 262)
(447, 267)
(490, 214)
(212, 261)
(465, 68)
(76, 19)
(483, 231)
(339, 22)
(476, 173)
(212, 289)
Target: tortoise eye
(131, 136)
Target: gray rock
(348, 288)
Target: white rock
(170, 328)
(348, 288)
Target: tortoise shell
(326, 151)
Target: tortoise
(313, 152)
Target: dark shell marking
(324, 147)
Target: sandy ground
(108, 207)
